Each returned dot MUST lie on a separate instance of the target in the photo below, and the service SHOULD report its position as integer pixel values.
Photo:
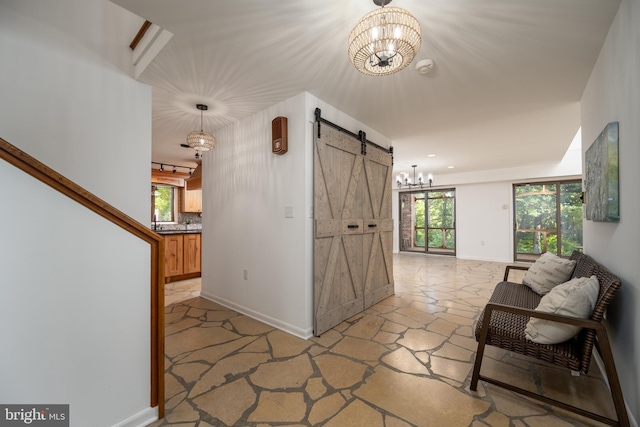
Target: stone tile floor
(179, 291)
(406, 361)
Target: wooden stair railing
(40, 171)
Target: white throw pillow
(575, 298)
(548, 271)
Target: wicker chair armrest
(513, 267)
(560, 318)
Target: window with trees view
(428, 221)
(163, 203)
(548, 218)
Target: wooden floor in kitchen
(406, 361)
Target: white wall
(483, 222)
(245, 190)
(74, 316)
(613, 94)
(481, 198)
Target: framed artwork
(601, 177)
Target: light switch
(288, 211)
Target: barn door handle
(353, 226)
(373, 225)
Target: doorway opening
(427, 221)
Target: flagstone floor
(406, 361)
(179, 291)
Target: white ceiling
(504, 91)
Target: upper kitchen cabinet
(190, 200)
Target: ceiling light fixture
(403, 179)
(174, 167)
(201, 140)
(384, 41)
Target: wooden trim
(43, 173)
(169, 174)
(180, 277)
(141, 32)
(168, 178)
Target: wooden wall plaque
(279, 144)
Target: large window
(428, 221)
(548, 218)
(163, 203)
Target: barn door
(378, 228)
(352, 229)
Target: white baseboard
(468, 258)
(276, 323)
(471, 258)
(603, 372)
(141, 419)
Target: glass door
(548, 218)
(427, 221)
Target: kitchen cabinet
(173, 255)
(183, 256)
(190, 200)
(192, 255)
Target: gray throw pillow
(548, 271)
(576, 298)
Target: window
(548, 218)
(428, 221)
(163, 203)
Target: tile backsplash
(178, 227)
(192, 218)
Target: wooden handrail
(141, 32)
(42, 172)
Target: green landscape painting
(601, 176)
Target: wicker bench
(503, 321)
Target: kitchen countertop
(178, 231)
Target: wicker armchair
(503, 321)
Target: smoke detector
(424, 66)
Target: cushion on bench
(547, 272)
(575, 298)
